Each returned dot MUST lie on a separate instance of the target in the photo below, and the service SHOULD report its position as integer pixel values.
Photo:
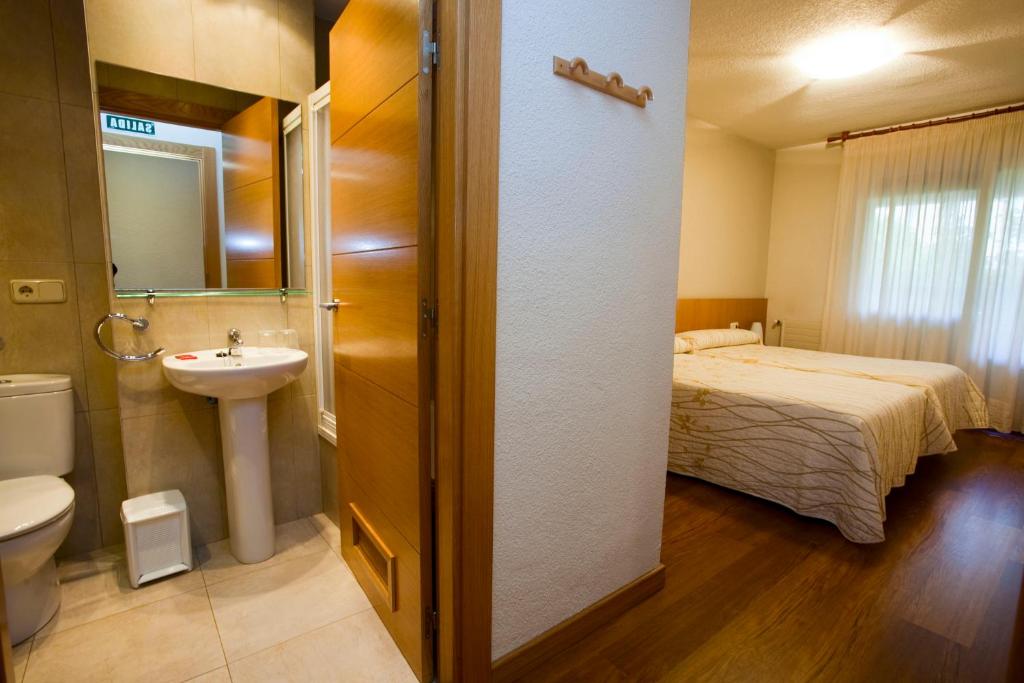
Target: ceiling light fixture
(846, 54)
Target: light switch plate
(38, 291)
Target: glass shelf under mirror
(185, 293)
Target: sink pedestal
(241, 382)
(246, 446)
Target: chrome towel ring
(137, 323)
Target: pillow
(709, 339)
(683, 345)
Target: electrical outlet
(38, 291)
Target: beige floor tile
(96, 586)
(356, 649)
(328, 530)
(292, 540)
(272, 605)
(21, 653)
(171, 640)
(220, 675)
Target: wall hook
(579, 63)
(578, 70)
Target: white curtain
(928, 254)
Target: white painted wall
(803, 217)
(727, 208)
(589, 211)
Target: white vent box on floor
(156, 535)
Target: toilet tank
(37, 425)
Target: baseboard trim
(523, 659)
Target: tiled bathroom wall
(263, 47)
(329, 479)
(51, 227)
(171, 438)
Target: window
(999, 301)
(921, 263)
(917, 257)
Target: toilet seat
(28, 503)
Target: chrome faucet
(235, 337)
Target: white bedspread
(826, 446)
(963, 404)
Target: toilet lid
(27, 503)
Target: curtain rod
(847, 135)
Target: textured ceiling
(961, 55)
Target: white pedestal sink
(241, 384)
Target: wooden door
(382, 276)
(6, 655)
(252, 196)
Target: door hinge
(431, 624)
(429, 316)
(429, 52)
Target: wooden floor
(757, 593)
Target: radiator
(801, 334)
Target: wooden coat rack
(577, 70)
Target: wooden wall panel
(376, 161)
(374, 51)
(709, 314)
(162, 108)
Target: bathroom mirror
(203, 184)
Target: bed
(826, 435)
(962, 403)
(825, 445)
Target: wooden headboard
(710, 314)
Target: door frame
(466, 91)
(326, 421)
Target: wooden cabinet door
(382, 258)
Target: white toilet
(37, 447)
